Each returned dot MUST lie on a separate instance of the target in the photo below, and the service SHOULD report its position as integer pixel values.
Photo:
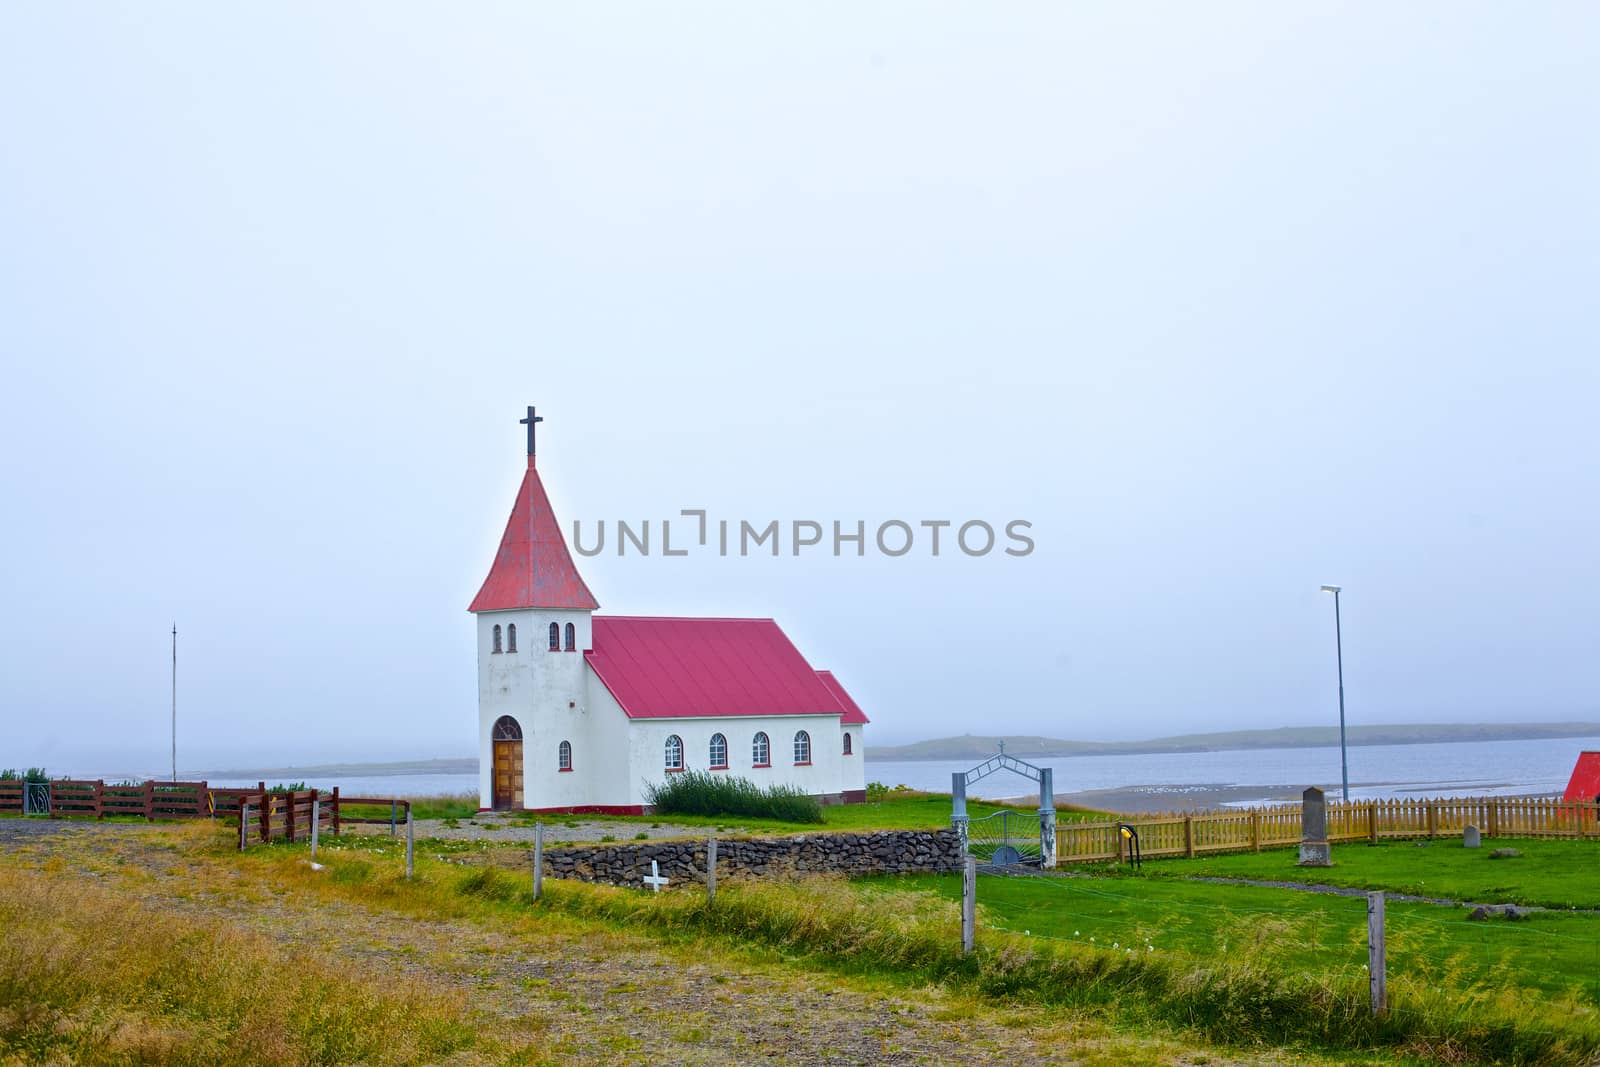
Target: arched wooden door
(507, 764)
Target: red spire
(533, 568)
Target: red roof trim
(851, 713)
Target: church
(582, 712)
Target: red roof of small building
(853, 715)
(533, 568)
(660, 668)
(1585, 783)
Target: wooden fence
(146, 800)
(288, 816)
(1245, 830)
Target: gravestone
(1470, 837)
(1314, 849)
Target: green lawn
(914, 811)
(1554, 873)
(1555, 956)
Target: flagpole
(174, 702)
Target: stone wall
(879, 852)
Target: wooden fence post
(1255, 830)
(538, 859)
(1188, 836)
(1375, 954)
(290, 799)
(1494, 818)
(149, 800)
(336, 810)
(410, 845)
(1372, 823)
(969, 903)
(711, 871)
(99, 799)
(1433, 819)
(266, 814)
(244, 823)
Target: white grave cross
(654, 879)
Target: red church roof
(853, 715)
(1585, 783)
(672, 668)
(533, 568)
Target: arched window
(497, 637)
(802, 747)
(506, 729)
(572, 638)
(564, 756)
(674, 753)
(719, 752)
(761, 751)
(511, 637)
(555, 637)
(847, 744)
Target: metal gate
(1007, 836)
(1004, 838)
(36, 798)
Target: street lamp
(1338, 644)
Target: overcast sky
(1227, 301)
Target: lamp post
(1338, 644)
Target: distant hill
(979, 746)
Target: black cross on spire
(531, 422)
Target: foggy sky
(1228, 301)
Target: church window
(506, 729)
(674, 753)
(719, 752)
(555, 637)
(564, 756)
(572, 638)
(761, 751)
(802, 748)
(497, 636)
(847, 744)
(511, 637)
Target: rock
(1504, 854)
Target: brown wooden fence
(146, 800)
(1253, 829)
(288, 816)
(272, 815)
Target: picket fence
(1253, 829)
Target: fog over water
(1498, 768)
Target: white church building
(581, 712)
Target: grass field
(162, 945)
(909, 811)
(1553, 873)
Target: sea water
(1457, 768)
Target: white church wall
(534, 686)
(853, 768)
(607, 782)
(648, 739)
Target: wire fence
(1432, 950)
